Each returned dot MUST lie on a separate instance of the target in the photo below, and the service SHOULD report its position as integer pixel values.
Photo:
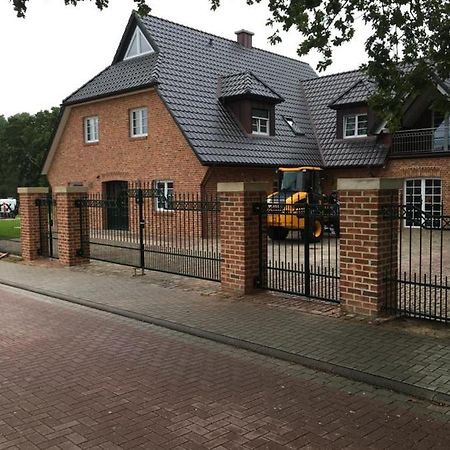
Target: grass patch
(10, 228)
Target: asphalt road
(72, 377)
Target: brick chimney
(244, 38)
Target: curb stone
(312, 363)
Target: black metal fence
(299, 248)
(146, 228)
(47, 230)
(418, 284)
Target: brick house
(185, 109)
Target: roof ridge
(331, 75)
(224, 38)
(313, 125)
(352, 86)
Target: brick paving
(75, 378)
(411, 360)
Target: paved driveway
(74, 378)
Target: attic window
(293, 126)
(289, 121)
(138, 45)
(260, 121)
(355, 125)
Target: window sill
(89, 144)
(356, 139)
(260, 135)
(138, 138)
(359, 136)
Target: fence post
(239, 234)
(368, 244)
(72, 225)
(33, 222)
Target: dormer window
(138, 45)
(355, 125)
(260, 121)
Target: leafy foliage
(408, 47)
(20, 6)
(24, 142)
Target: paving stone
(130, 377)
(377, 350)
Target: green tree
(24, 142)
(408, 48)
(409, 45)
(20, 6)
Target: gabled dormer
(354, 119)
(138, 46)
(251, 102)
(136, 41)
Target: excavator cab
(304, 181)
(297, 186)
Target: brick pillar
(33, 222)
(72, 249)
(368, 244)
(239, 234)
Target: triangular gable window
(138, 45)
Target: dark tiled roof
(246, 83)
(359, 92)
(125, 75)
(193, 69)
(187, 66)
(339, 152)
(190, 65)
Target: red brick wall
(163, 155)
(70, 241)
(232, 174)
(239, 239)
(34, 225)
(368, 251)
(398, 168)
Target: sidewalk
(381, 355)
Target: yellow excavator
(298, 187)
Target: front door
(117, 209)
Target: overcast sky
(57, 48)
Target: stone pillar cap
(70, 190)
(32, 190)
(368, 184)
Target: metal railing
(424, 140)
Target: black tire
(316, 234)
(277, 233)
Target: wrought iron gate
(144, 228)
(299, 249)
(48, 233)
(418, 283)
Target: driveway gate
(418, 284)
(143, 228)
(48, 234)
(294, 260)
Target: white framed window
(138, 45)
(91, 129)
(164, 197)
(260, 121)
(138, 122)
(355, 125)
(425, 195)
